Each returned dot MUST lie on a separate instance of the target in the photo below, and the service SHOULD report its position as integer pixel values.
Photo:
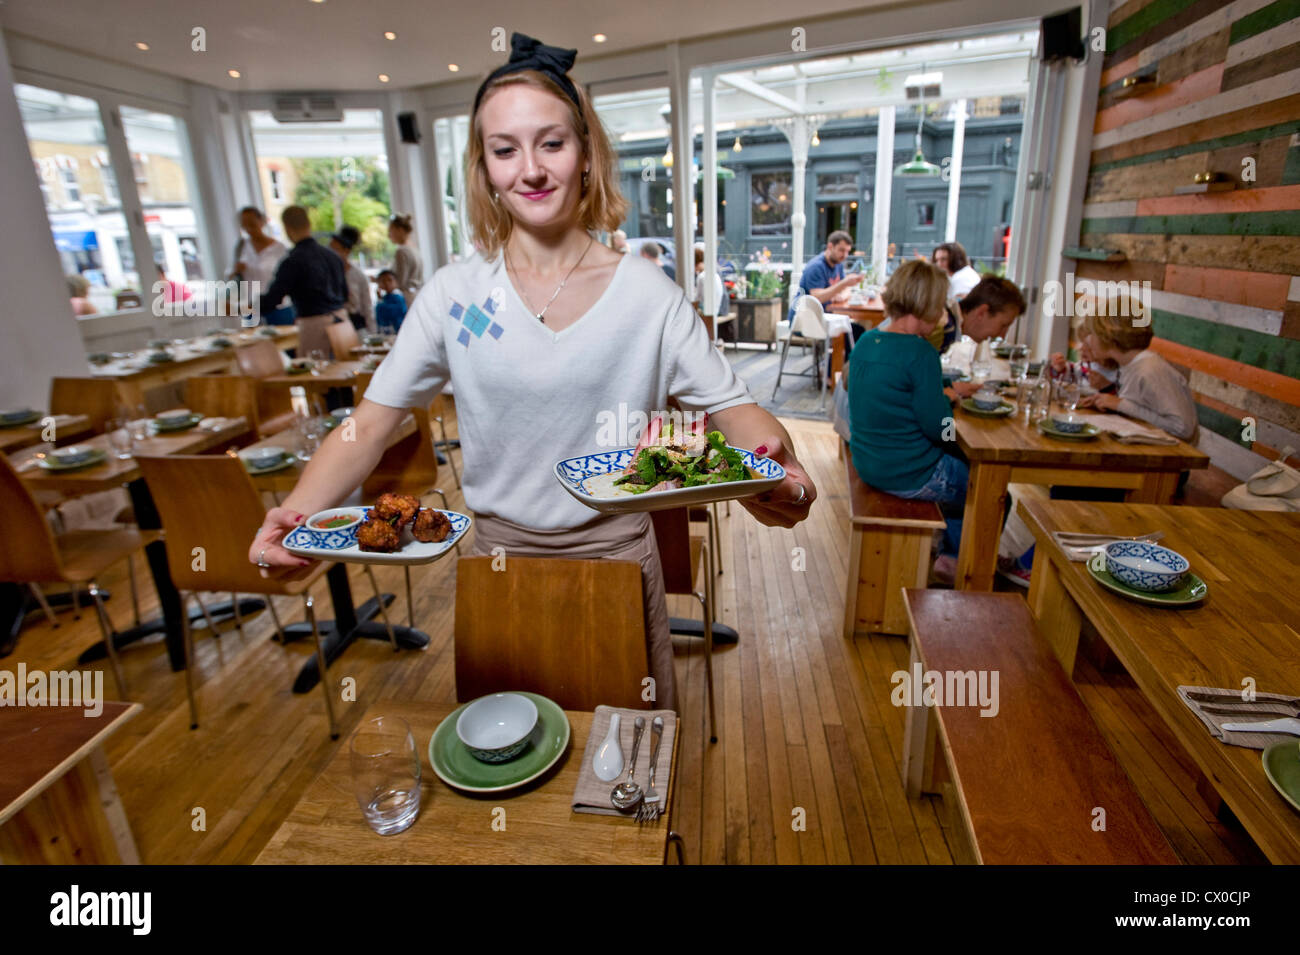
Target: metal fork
(652, 807)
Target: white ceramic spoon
(607, 763)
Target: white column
(132, 209)
(884, 191)
(954, 171)
(41, 336)
(679, 87)
(709, 170)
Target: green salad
(693, 460)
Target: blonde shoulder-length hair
(602, 206)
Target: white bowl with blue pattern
(496, 728)
(590, 477)
(1146, 566)
(342, 545)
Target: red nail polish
(761, 449)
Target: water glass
(311, 430)
(386, 773)
(1070, 395)
(119, 437)
(981, 366)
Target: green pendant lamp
(917, 166)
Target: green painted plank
(1270, 352)
(1219, 223)
(1139, 23)
(1220, 423)
(1273, 15)
(1291, 171)
(1205, 145)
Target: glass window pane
(78, 182)
(770, 203)
(160, 163)
(837, 184)
(452, 137)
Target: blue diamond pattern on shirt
(495, 330)
(475, 321)
(463, 337)
(456, 309)
(489, 305)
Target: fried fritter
(379, 536)
(431, 526)
(400, 506)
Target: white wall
(37, 327)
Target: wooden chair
(681, 555)
(408, 467)
(208, 501)
(260, 359)
(274, 405)
(74, 557)
(236, 396)
(94, 397)
(343, 338)
(889, 549)
(571, 630)
(1025, 785)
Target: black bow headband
(527, 53)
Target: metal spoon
(627, 793)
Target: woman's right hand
(266, 548)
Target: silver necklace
(541, 316)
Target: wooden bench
(1029, 784)
(889, 549)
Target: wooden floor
(806, 768)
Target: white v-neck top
(527, 397)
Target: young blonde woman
(540, 334)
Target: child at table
(391, 308)
(900, 419)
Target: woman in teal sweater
(899, 417)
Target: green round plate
(97, 456)
(969, 405)
(1192, 591)
(160, 428)
(458, 769)
(1089, 432)
(288, 461)
(1282, 767)
(20, 422)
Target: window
(925, 214)
(277, 185)
(837, 184)
(70, 154)
(770, 203)
(160, 161)
(450, 135)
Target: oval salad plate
(330, 545)
(590, 478)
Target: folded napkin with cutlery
(1126, 431)
(1216, 706)
(1081, 547)
(592, 794)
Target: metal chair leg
(714, 534)
(135, 597)
(239, 618)
(320, 662)
(189, 658)
(45, 605)
(785, 350)
(279, 629)
(450, 460)
(410, 604)
(446, 508)
(106, 628)
(76, 601)
(706, 600)
(212, 627)
(379, 599)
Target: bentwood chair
(681, 554)
(96, 398)
(237, 396)
(343, 338)
(408, 467)
(37, 555)
(571, 630)
(210, 511)
(808, 328)
(262, 360)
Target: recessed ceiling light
(234, 74)
(383, 77)
(390, 35)
(141, 45)
(453, 67)
(599, 37)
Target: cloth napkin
(1266, 706)
(592, 794)
(1126, 431)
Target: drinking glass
(310, 431)
(981, 365)
(1070, 395)
(386, 773)
(317, 358)
(119, 437)
(1018, 362)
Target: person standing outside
(312, 276)
(360, 307)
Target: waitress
(540, 334)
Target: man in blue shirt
(823, 277)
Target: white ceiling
(339, 44)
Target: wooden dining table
(1248, 626)
(540, 827)
(1004, 450)
(335, 374)
(869, 316)
(66, 427)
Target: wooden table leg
(982, 525)
(1054, 610)
(920, 743)
(1157, 487)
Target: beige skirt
(621, 537)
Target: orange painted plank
(1238, 286)
(1189, 89)
(1119, 70)
(1269, 383)
(1268, 199)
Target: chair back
(673, 537)
(223, 396)
(571, 630)
(31, 556)
(343, 338)
(260, 359)
(809, 319)
(96, 398)
(408, 467)
(208, 501)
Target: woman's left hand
(778, 507)
(1101, 402)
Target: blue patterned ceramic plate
(590, 479)
(343, 546)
